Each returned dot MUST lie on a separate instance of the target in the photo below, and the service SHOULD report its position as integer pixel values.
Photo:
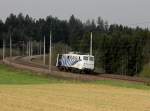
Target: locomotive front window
(91, 58)
(85, 58)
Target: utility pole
(3, 49)
(50, 52)
(31, 49)
(44, 52)
(10, 47)
(27, 49)
(122, 68)
(40, 49)
(91, 44)
(23, 48)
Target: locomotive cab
(88, 62)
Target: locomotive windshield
(91, 58)
(88, 58)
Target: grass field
(24, 91)
(72, 97)
(12, 76)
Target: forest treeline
(117, 49)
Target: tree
(117, 49)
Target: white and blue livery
(74, 61)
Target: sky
(126, 12)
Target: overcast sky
(126, 12)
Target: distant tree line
(117, 49)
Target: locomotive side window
(85, 58)
(60, 56)
(59, 60)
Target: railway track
(26, 63)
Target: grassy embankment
(10, 75)
(13, 76)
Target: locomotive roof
(78, 55)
